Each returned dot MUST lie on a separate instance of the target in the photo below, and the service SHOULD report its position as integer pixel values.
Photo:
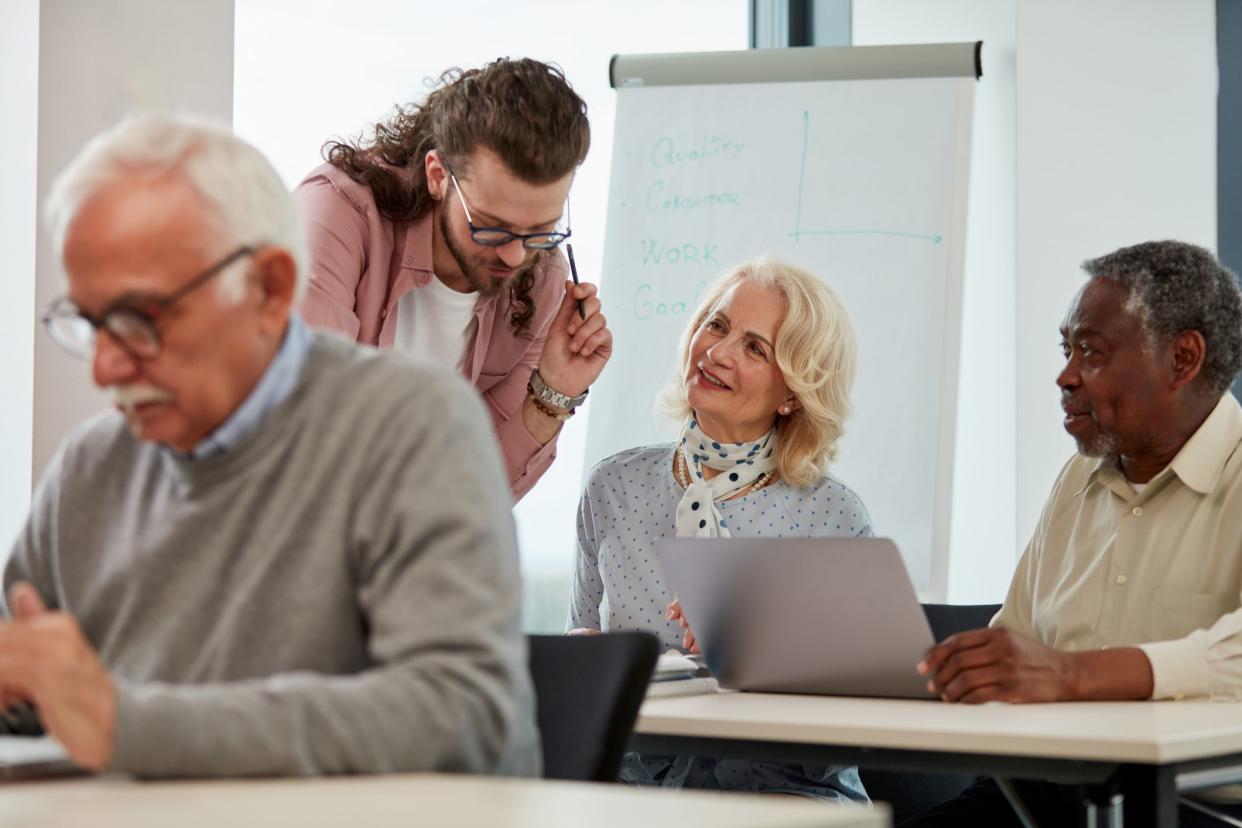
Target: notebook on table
(33, 757)
(677, 674)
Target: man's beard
(482, 283)
(1102, 444)
(1107, 444)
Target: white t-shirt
(434, 322)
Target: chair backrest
(909, 794)
(588, 689)
(948, 619)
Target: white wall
(1116, 114)
(96, 62)
(1095, 128)
(983, 517)
(19, 64)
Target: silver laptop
(826, 616)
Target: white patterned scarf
(739, 464)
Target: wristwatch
(552, 397)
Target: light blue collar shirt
(276, 384)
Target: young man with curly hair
(439, 237)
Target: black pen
(573, 271)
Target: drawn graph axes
(798, 232)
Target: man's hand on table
(995, 664)
(46, 661)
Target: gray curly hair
(1176, 287)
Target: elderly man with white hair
(282, 553)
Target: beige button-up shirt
(1159, 569)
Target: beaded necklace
(681, 473)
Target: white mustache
(129, 397)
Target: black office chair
(588, 689)
(909, 794)
(948, 619)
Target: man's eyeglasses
(499, 236)
(133, 328)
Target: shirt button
(1121, 579)
(407, 261)
(1137, 511)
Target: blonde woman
(767, 363)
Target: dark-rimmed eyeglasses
(132, 327)
(500, 236)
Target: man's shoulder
(331, 174)
(372, 416)
(361, 377)
(98, 446)
(334, 181)
(342, 360)
(1076, 483)
(1072, 480)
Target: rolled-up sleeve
(525, 458)
(1208, 662)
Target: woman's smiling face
(733, 382)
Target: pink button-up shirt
(363, 263)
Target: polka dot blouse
(629, 503)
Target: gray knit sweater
(337, 594)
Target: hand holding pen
(573, 272)
(579, 342)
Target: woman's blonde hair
(816, 352)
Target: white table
(1143, 750)
(418, 799)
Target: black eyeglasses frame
(500, 236)
(122, 321)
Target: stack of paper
(680, 675)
